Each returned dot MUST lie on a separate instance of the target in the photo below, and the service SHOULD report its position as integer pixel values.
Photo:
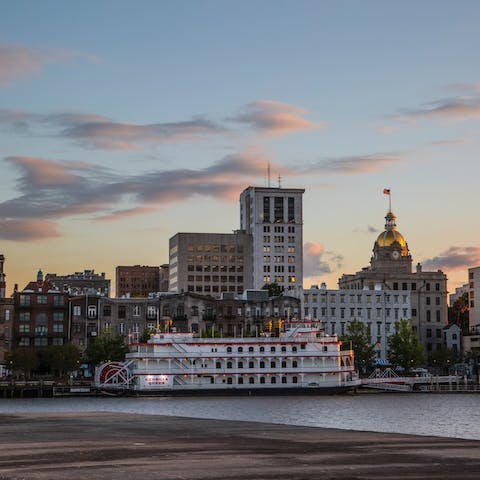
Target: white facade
(378, 309)
(459, 291)
(274, 219)
(474, 297)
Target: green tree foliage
(358, 335)
(145, 336)
(404, 347)
(22, 360)
(459, 312)
(106, 348)
(443, 359)
(61, 359)
(274, 289)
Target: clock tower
(390, 251)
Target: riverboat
(301, 360)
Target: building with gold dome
(391, 269)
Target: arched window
(294, 380)
(262, 349)
(250, 364)
(284, 379)
(229, 364)
(294, 364)
(262, 379)
(229, 349)
(273, 380)
(240, 349)
(251, 380)
(273, 364)
(240, 380)
(262, 364)
(218, 365)
(250, 349)
(229, 381)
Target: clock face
(395, 255)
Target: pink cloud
(19, 61)
(43, 172)
(317, 261)
(455, 258)
(27, 229)
(275, 118)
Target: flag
(386, 191)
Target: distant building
(80, 283)
(210, 263)
(136, 281)
(3, 284)
(459, 292)
(474, 297)
(378, 309)
(391, 267)
(41, 315)
(6, 325)
(164, 276)
(274, 219)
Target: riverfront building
(136, 280)
(80, 283)
(474, 298)
(391, 268)
(378, 309)
(210, 263)
(274, 219)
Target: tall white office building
(274, 219)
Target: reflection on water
(446, 415)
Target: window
(273, 364)
(24, 300)
(251, 380)
(273, 380)
(24, 316)
(262, 379)
(240, 381)
(58, 328)
(58, 301)
(92, 311)
(294, 364)
(24, 328)
(284, 379)
(42, 299)
(294, 380)
(262, 364)
(107, 310)
(58, 316)
(229, 364)
(240, 349)
(250, 349)
(218, 365)
(251, 365)
(229, 349)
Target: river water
(444, 415)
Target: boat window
(294, 364)
(240, 364)
(212, 380)
(294, 349)
(229, 381)
(273, 365)
(262, 364)
(250, 349)
(284, 379)
(250, 364)
(272, 349)
(262, 349)
(240, 349)
(284, 348)
(273, 380)
(229, 349)
(251, 380)
(325, 349)
(284, 364)
(294, 380)
(303, 346)
(262, 379)
(218, 365)
(240, 381)
(229, 364)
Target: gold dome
(387, 238)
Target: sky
(123, 123)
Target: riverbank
(129, 446)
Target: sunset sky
(123, 123)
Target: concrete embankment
(127, 446)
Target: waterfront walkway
(111, 446)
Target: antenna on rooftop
(279, 181)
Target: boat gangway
(388, 380)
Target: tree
(443, 359)
(61, 359)
(106, 348)
(22, 360)
(404, 347)
(274, 289)
(145, 337)
(364, 354)
(458, 313)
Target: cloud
(455, 258)
(27, 229)
(106, 134)
(368, 229)
(386, 129)
(317, 261)
(275, 118)
(20, 61)
(354, 164)
(458, 141)
(458, 108)
(51, 190)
